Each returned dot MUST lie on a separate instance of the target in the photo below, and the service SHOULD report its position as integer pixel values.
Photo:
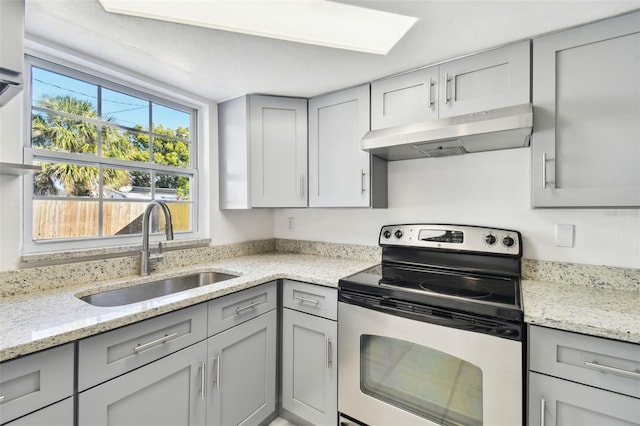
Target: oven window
(429, 383)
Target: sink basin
(138, 293)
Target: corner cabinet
(309, 353)
(576, 379)
(341, 174)
(586, 132)
(262, 152)
(493, 79)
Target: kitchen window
(105, 151)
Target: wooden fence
(70, 219)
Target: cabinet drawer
(603, 363)
(30, 383)
(110, 354)
(58, 414)
(311, 298)
(237, 308)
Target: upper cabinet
(341, 174)
(586, 98)
(263, 152)
(11, 48)
(484, 81)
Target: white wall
(491, 189)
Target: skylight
(319, 22)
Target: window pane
(125, 110)
(58, 133)
(61, 93)
(125, 144)
(180, 216)
(170, 152)
(126, 184)
(66, 180)
(122, 217)
(64, 219)
(172, 187)
(169, 121)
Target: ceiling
(220, 65)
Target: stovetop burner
(468, 273)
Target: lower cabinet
(242, 373)
(170, 391)
(58, 414)
(309, 367)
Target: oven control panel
(453, 237)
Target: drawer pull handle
(613, 370)
(542, 404)
(1, 398)
(244, 308)
(156, 342)
(203, 381)
(305, 300)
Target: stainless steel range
(434, 335)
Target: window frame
(111, 80)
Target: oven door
(398, 371)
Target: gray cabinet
(493, 79)
(242, 373)
(340, 173)
(58, 414)
(11, 48)
(170, 391)
(309, 354)
(586, 98)
(30, 383)
(577, 379)
(262, 148)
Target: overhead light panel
(319, 22)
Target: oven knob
(398, 233)
(508, 241)
(386, 234)
(490, 239)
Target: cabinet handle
(156, 342)
(613, 370)
(362, 175)
(305, 300)
(430, 89)
(203, 381)
(544, 170)
(249, 306)
(446, 88)
(302, 191)
(1, 398)
(329, 353)
(542, 404)
(216, 379)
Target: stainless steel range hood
(484, 131)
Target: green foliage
(68, 132)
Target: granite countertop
(36, 321)
(603, 312)
(43, 319)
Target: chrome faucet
(146, 257)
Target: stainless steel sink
(138, 293)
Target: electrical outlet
(564, 235)
(291, 224)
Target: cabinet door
(242, 377)
(339, 170)
(565, 403)
(309, 367)
(586, 97)
(489, 80)
(168, 392)
(405, 99)
(58, 414)
(278, 141)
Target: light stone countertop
(37, 321)
(603, 312)
(46, 318)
